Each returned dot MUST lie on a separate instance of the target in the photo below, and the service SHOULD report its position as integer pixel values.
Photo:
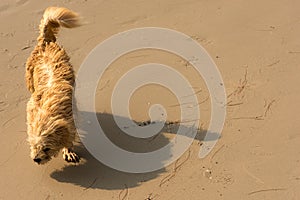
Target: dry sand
(256, 46)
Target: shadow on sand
(91, 173)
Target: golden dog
(50, 79)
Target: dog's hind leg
(29, 78)
(69, 155)
(32, 61)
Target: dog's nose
(37, 160)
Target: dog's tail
(53, 18)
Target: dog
(50, 80)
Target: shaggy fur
(50, 79)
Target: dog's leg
(69, 155)
(30, 64)
(29, 78)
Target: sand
(256, 46)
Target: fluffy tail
(53, 18)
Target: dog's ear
(62, 131)
(62, 128)
(60, 125)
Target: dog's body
(50, 79)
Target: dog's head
(42, 153)
(46, 140)
(42, 150)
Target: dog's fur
(50, 79)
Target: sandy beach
(256, 47)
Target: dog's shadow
(90, 173)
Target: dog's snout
(37, 160)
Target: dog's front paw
(70, 156)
